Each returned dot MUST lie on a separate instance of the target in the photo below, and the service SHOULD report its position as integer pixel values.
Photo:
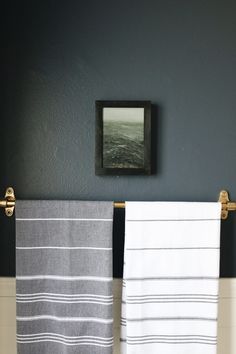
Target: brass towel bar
(9, 203)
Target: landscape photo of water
(123, 137)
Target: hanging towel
(64, 277)
(171, 272)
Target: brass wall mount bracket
(227, 205)
(9, 202)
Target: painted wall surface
(58, 57)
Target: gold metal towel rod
(9, 203)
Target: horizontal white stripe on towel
(66, 339)
(65, 278)
(66, 295)
(61, 298)
(61, 219)
(22, 336)
(60, 341)
(66, 302)
(65, 248)
(25, 340)
(65, 319)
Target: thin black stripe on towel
(171, 339)
(64, 277)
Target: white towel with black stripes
(171, 275)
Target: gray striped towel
(170, 290)
(64, 277)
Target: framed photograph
(123, 138)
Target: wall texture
(58, 57)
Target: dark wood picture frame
(100, 167)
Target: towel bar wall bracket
(227, 205)
(9, 203)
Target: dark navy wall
(58, 57)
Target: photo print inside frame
(123, 137)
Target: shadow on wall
(227, 260)
(12, 76)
